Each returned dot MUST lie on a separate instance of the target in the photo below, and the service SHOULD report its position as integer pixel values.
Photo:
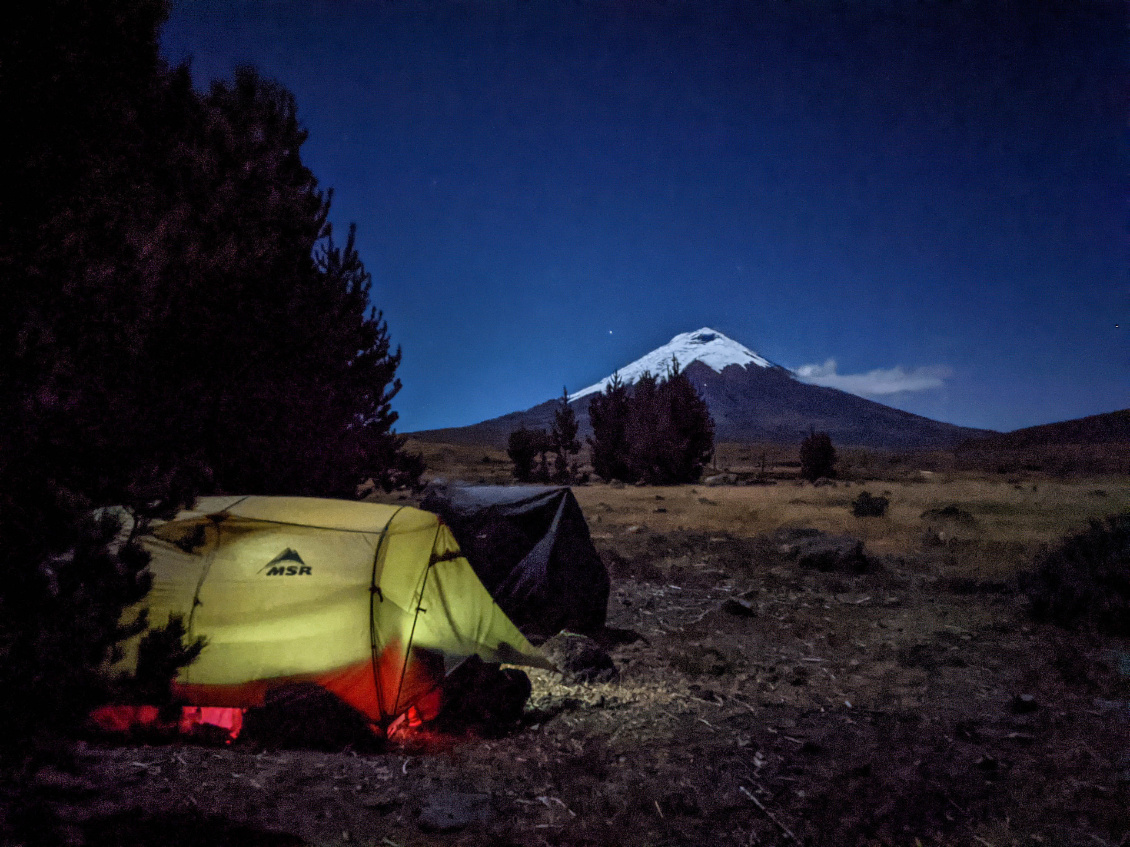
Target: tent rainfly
(530, 545)
(374, 603)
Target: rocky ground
(786, 689)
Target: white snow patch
(705, 345)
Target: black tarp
(531, 548)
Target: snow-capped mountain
(705, 345)
(750, 399)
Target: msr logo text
(289, 570)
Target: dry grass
(1012, 520)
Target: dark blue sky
(928, 193)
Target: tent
(373, 603)
(530, 546)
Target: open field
(903, 698)
(1011, 522)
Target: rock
(448, 811)
(739, 607)
(720, 479)
(829, 553)
(1024, 704)
(703, 660)
(580, 659)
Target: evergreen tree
(608, 414)
(78, 252)
(659, 432)
(642, 430)
(543, 445)
(178, 320)
(522, 448)
(817, 457)
(686, 430)
(563, 438)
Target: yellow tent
(374, 603)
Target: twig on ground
(788, 832)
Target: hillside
(1109, 428)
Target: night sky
(921, 202)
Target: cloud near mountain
(876, 383)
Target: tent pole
(416, 617)
(374, 596)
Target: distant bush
(817, 457)
(523, 447)
(1086, 580)
(866, 506)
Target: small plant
(866, 506)
(1086, 580)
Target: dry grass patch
(1011, 521)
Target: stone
(580, 659)
(739, 607)
(720, 479)
(1024, 704)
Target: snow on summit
(705, 345)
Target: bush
(1086, 580)
(866, 506)
(817, 457)
(522, 447)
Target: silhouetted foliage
(1086, 579)
(868, 506)
(522, 448)
(817, 457)
(608, 414)
(78, 247)
(161, 653)
(563, 441)
(177, 320)
(660, 433)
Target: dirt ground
(900, 701)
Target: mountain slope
(750, 399)
(1109, 428)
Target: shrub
(1086, 580)
(527, 449)
(522, 448)
(866, 506)
(817, 457)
